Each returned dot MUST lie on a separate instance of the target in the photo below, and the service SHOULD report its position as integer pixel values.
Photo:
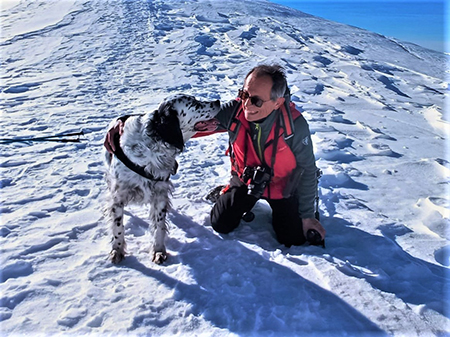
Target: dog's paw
(116, 256)
(159, 257)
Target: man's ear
(280, 102)
(166, 126)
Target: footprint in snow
(352, 50)
(322, 60)
(381, 150)
(249, 34)
(341, 180)
(374, 133)
(15, 270)
(442, 256)
(71, 316)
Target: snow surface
(376, 110)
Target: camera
(259, 178)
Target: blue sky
(418, 21)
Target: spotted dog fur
(152, 141)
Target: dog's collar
(136, 168)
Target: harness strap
(275, 142)
(136, 168)
(235, 122)
(288, 123)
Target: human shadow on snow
(383, 263)
(241, 291)
(378, 259)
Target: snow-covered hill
(376, 110)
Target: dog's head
(175, 120)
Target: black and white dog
(145, 157)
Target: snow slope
(376, 110)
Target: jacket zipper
(258, 141)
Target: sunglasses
(255, 100)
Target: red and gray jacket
(274, 143)
(247, 149)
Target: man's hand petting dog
(109, 139)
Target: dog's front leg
(118, 241)
(158, 221)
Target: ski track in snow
(375, 107)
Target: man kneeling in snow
(271, 158)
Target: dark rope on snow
(62, 137)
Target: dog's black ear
(166, 126)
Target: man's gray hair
(276, 73)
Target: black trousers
(227, 213)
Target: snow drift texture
(376, 110)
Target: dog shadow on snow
(244, 292)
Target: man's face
(259, 87)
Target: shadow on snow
(239, 290)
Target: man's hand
(109, 139)
(312, 223)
